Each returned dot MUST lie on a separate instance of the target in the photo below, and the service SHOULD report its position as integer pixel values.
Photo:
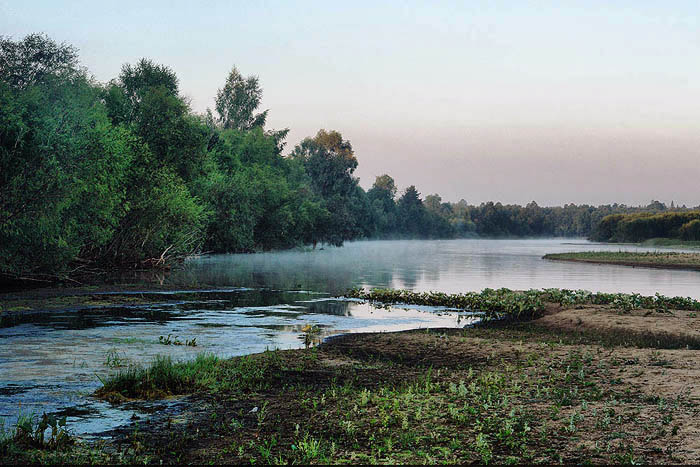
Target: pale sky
(511, 101)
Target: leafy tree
(135, 82)
(63, 164)
(381, 196)
(329, 162)
(36, 59)
(238, 100)
(386, 183)
(433, 203)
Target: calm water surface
(262, 301)
(445, 265)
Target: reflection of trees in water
(91, 318)
(329, 307)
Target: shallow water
(255, 302)
(53, 363)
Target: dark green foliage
(329, 163)
(36, 60)
(642, 226)
(237, 102)
(126, 174)
(506, 303)
(63, 171)
(690, 230)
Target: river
(249, 303)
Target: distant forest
(125, 174)
(683, 225)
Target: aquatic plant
(30, 431)
(168, 340)
(166, 377)
(529, 304)
(115, 359)
(489, 302)
(311, 334)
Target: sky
(512, 101)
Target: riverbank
(581, 383)
(670, 243)
(661, 260)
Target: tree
(164, 216)
(35, 59)
(238, 100)
(411, 212)
(433, 203)
(62, 164)
(386, 183)
(136, 81)
(329, 162)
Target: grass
(166, 377)
(673, 260)
(671, 242)
(514, 391)
(548, 402)
(506, 303)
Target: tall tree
(62, 164)
(329, 161)
(386, 183)
(238, 100)
(35, 59)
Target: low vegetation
(669, 260)
(671, 243)
(581, 377)
(506, 303)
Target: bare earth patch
(581, 384)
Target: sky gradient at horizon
(585, 102)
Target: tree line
(684, 225)
(126, 174)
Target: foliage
(36, 60)
(493, 304)
(237, 101)
(125, 174)
(506, 303)
(642, 226)
(167, 377)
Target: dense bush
(690, 230)
(642, 226)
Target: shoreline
(581, 382)
(573, 258)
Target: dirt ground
(586, 384)
(633, 397)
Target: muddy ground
(587, 384)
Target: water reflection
(446, 265)
(50, 359)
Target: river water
(248, 303)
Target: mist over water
(452, 266)
(242, 304)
